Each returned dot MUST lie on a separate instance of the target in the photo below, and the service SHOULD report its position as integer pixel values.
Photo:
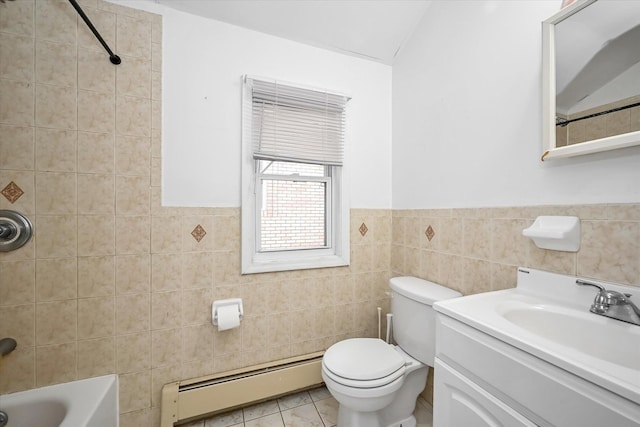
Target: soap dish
(558, 233)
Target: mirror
(591, 78)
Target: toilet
(377, 384)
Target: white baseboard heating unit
(191, 399)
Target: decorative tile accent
(429, 233)
(198, 233)
(12, 192)
(363, 229)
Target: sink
(91, 402)
(547, 315)
(583, 331)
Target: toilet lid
(362, 359)
(420, 290)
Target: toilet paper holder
(223, 303)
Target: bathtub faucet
(7, 345)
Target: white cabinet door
(459, 402)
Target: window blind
(289, 123)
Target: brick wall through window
(293, 212)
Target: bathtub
(85, 403)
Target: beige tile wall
(115, 283)
(478, 250)
(112, 281)
(614, 123)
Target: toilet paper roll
(228, 317)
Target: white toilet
(375, 383)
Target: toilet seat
(363, 363)
(375, 383)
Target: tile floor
(313, 408)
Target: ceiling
(372, 29)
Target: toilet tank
(413, 323)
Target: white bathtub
(85, 403)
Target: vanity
(535, 356)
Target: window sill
(285, 263)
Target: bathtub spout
(7, 345)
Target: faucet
(7, 345)
(613, 304)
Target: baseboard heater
(191, 399)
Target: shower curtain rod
(564, 122)
(115, 59)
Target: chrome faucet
(613, 304)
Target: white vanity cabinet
(483, 381)
(461, 402)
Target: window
(293, 205)
(294, 210)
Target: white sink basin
(579, 330)
(86, 403)
(547, 315)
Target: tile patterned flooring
(313, 408)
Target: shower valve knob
(15, 230)
(7, 231)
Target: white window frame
(336, 254)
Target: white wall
(467, 116)
(203, 61)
